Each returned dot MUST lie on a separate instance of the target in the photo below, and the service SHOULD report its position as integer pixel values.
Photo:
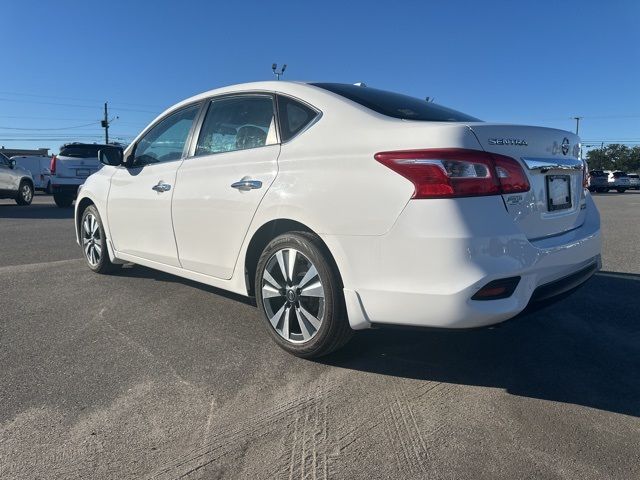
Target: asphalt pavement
(142, 374)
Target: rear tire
(94, 242)
(62, 200)
(299, 293)
(25, 193)
(621, 190)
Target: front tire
(299, 292)
(62, 200)
(25, 193)
(94, 242)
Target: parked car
(39, 168)
(15, 181)
(342, 207)
(618, 180)
(70, 168)
(598, 181)
(634, 181)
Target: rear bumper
(440, 253)
(65, 185)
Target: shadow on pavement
(584, 350)
(35, 211)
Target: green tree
(615, 157)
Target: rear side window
(80, 151)
(237, 123)
(396, 105)
(294, 116)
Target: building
(12, 152)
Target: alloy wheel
(293, 295)
(91, 240)
(26, 193)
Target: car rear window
(633, 175)
(80, 151)
(597, 173)
(396, 105)
(619, 174)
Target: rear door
(550, 160)
(219, 187)
(139, 204)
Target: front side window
(237, 123)
(294, 116)
(165, 141)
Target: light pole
(577, 119)
(277, 73)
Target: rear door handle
(247, 184)
(161, 187)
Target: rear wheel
(94, 242)
(62, 200)
(621, 190)
(25, 193)
(299, 293)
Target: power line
(73, 105)
(57, 97)
(43, 129)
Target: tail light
(456, 172)
(52, 165)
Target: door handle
(247, 184)
(161, 187)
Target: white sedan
(342, 207)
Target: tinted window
(634, 175)
(80, 151)
(619, 174)
(396, 105)
(294, 116)
(237, 123)
(165, 141)
(597, 173)
(3, 159)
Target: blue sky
(536, 62)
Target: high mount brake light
(456, 172)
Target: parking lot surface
(145, 375)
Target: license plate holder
(83, 172)
(558, 192)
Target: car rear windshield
(597, 173)
(619, 174)
(80, 151)
(396, 105)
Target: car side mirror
(12, 163)
(110, 155)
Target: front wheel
(25, 193)
(62, 200)
(94, 242)
(299, 292)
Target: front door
(220, 186)
(139, 205)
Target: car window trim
(205, 108)
(200, 103)
(315, 119)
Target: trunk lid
(549, 158)
(78, 160)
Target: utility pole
(577, 119)
(105, 124)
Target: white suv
(618, 181)
(70, 168)
(634, 181)
(342, 207)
